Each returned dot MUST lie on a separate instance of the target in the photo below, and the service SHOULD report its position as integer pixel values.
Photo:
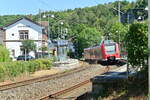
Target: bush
(4, 54)
(13, 69)
(2, 72)
(137, 48)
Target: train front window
(110, 49)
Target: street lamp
(49, 30)
(141, 18)
(49, 16)
(146, 8)
(119, 10)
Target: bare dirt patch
(45, 72)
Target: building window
(12, 34)
(24, 34)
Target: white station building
(23, 29)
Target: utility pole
(149, 48)
(119, 19)
(25, 54)
(48, 33)
(39, 32)
(40, 21)
(119, 10)
(128, 19)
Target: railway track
(49, 86)
(62, 92)
(56, 96)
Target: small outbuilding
(60, 48)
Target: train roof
(106, 42)
(91, 47)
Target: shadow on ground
(132, 89)
(117, 63)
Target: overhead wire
(45, 3)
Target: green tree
(44, 48)
(141, 3)
(137, 40)
(118, 32)
(28, 45)
(86, 37)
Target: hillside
(88, 24)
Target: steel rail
(62, 92)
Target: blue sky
(8, 7)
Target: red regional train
(106, 51)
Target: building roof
(21, 19)
(43, 23)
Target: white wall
(14, 46)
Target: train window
(107, 42)
(110, 49)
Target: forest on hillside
(87, 26)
